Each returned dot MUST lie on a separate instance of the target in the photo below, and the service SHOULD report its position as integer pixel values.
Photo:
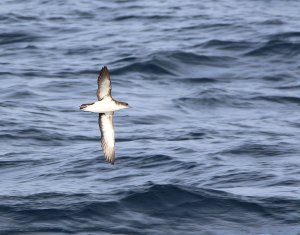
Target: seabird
(105, 106)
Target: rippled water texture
(211, 145)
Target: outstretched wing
(107, 136)
(104, 84)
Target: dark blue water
(211, 145)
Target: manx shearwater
(105, 106)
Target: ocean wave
(171, 201)
(157, 202)
(43, 136)
(13, 17)
(276, 47)
(206, 26)
(228, 45)
(169, 63)
(151, 119)
(149, 67)
(142, 17)
(208, 60)
(259, 150)
(213, 97)
(147, 161)
(279, 99)
(18, 37)
(193, 135)
(286, 35)
(6, 164)
(23, 94)
(272, 22)
(197, 80)
(221, 98)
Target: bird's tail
(84, 106)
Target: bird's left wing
(107, 136)
(104, 84)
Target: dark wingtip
(104, 71)
(112, 162)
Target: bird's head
(123, 105)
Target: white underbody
(105, 105)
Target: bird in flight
(105, 106)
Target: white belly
(103, 106)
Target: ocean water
(210, 145)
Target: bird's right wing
(107, 136)
(104, 84)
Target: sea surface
(211, 145)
